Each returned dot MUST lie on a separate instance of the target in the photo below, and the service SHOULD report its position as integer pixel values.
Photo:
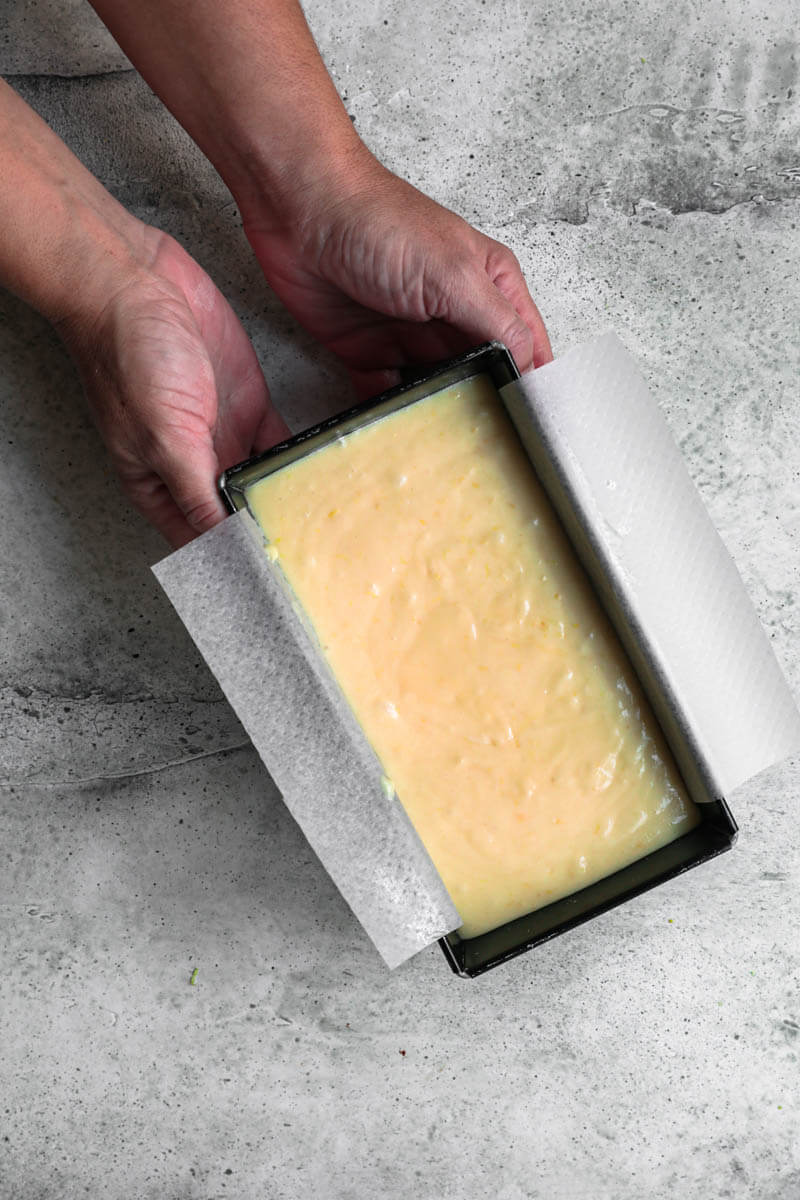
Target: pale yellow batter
(474, 654)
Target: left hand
(175, 388)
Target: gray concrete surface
(642, 161)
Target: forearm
(65, 244)
(245, 79)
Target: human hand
(379, 273)
(172, 380)
(175, 389)
(384, 277)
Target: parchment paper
(236, 605)
(592, 428)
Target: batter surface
(474, 654)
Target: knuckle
(184, 471)
(502, 261)
(519, 340)
(201, 514)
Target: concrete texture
(641, 160)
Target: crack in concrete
(23, 692)
(659, 108)
(153, 769)
(36, 76)
(715, 211)
(631, 210)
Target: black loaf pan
(717, 830)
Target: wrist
(299, 220)
(65, 243)
(97, 259)
(286, 191)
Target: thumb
(475, 306)
(189, 471)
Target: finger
(430, 341)
(150, 497)
(381, 343)
(367, 384)
(399, 344)
(174, 527)
(271, 429)
(510, 282)
(248, 422)
(189, 470)
(474, 305)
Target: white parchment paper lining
(236, 605)
(588, 419)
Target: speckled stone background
(643, 161)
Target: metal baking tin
(717, 830)
(492, 359)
